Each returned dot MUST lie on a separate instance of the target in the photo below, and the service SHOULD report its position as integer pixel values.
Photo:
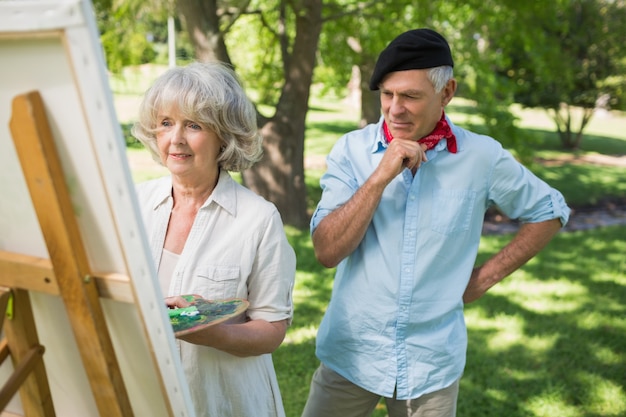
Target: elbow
(272, 347)
(326, 259)
(278, 332)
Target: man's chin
(403, 136)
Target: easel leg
(22, 344)
(43, 171)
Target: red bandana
(442, 130)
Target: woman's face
(187, 148)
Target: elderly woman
(213, 237)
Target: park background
(547, 79)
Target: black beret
(415, 49)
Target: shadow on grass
(569, 360)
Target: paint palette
(203, 313)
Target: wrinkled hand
(401, 153)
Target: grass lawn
(548, 341)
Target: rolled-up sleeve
(338, 184)
(521, 195)
(271, 281)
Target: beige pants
(331, 395)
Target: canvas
(52, 48)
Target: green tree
(471, 27)
(570, 64)
(354, 34)
(128, 30)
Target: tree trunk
(279, 176)
(370, 100)
(563, 117)
(202, 24)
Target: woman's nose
(178, 135)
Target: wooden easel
(66, 274)
(26, 353)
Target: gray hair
(212, 95)
(439, 76)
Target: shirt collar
(380, 142)
(224, 194)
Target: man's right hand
(400, 154)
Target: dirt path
(591, 159)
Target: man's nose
(396, 105)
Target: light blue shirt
(395, 319)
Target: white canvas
(52, 47)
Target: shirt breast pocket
(452, 210)
(216, 282)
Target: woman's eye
(165, 123)
(195, 126)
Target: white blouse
(236, 248)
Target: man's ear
(448, 92)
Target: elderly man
(401, 216)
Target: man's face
(410, 105)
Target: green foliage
(128, 32)
(259, 62)
(497, 119)
(131, 141)
(567, 64)
(137, 51)
(354, 34)
(570, 58)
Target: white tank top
(166, 270)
